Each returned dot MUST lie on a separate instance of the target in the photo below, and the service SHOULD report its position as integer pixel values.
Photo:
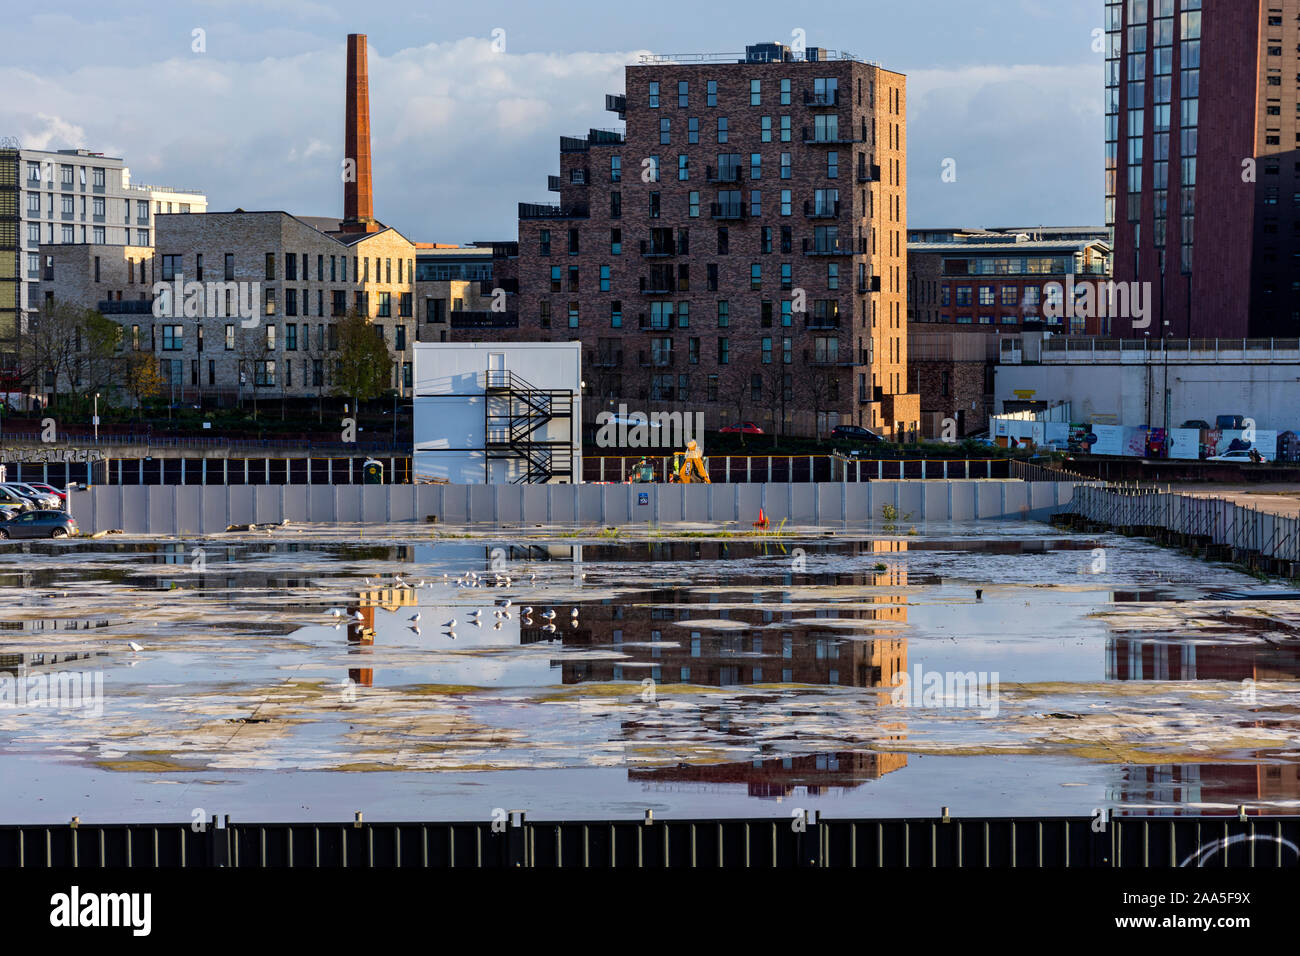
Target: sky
(250, 109)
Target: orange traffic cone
(762, 519)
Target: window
(615, 169)
(544, 314)
(665, 131)
(785, 129)
(230, 337)
(171, 264)
(291, 301)
(616, 242)
(573, 315)
(604, 278)
(722, 129)
(291, 337)
(765, 129)
(693, 130)
(756, 203)
(785, 165)
(385, 305)
(683, 94)
(557, 277)
(270, 266)
(654, 94)
(173, 338)
(616, 315)
(832, 164)
(755, 92)
(724, 314)
(755, 165)
(787, 201)
(270, 338)
(264, 373)
(711, 276)
(755, 277)
(785, 92)
(573, 279)
(573, 242)
(544, 242)
(683, 167)
(724, 351)
(724, 241)
(711, 93)
(693, 204)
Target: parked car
(1240, 455)
(42, 499)
(12, 499)
(855, 433)
(39, 524)
(42, 486)
(741, 428)
(1198, 423)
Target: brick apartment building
(739, 250)
(1203, 161)
(968, 288)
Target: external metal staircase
(517, 419)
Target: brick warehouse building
(682, 250)
(1202, 143)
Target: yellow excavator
(688, 466)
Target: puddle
(308, 673)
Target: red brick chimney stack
(358, 199)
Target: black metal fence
(1073, 842)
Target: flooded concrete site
(306, 674)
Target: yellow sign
(1025, 393)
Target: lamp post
(95, 418)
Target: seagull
(415, 618)
(421, 584)
(496, 626)
(358, 616)
(367, 582)
(573, 613)
(548, 614)
(476, 612)
(335, 612)
(134, 646)
(451, 623)
(506, 602)
(526, 611)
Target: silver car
(41, 499)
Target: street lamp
(95, 418)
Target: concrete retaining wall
(199, 509)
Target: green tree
(142, 378)
(364, 366)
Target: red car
(49, 489)
(741, 428)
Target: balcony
(816, 137)
(825, 359)
(616, 103)
(653, 250)
(465, 319)
(553, 184)
(727, 210)
(829, 321)
(536, 210)
(489, 286)
(828, 247)
(868, 173)
(868, 284)
(656, 285)
(822, 210)
(607, 359)
(826, 98)
(722, 174)
(125, 307)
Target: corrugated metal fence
(1073, 842)
(1244, 530)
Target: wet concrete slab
(307, 673)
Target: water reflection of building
(736, 645)
(1134, 658)
(361, 633)
(1228, 785)
(770, 777)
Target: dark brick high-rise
(680, 252)
(1194, 90)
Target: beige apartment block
(273, 289)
